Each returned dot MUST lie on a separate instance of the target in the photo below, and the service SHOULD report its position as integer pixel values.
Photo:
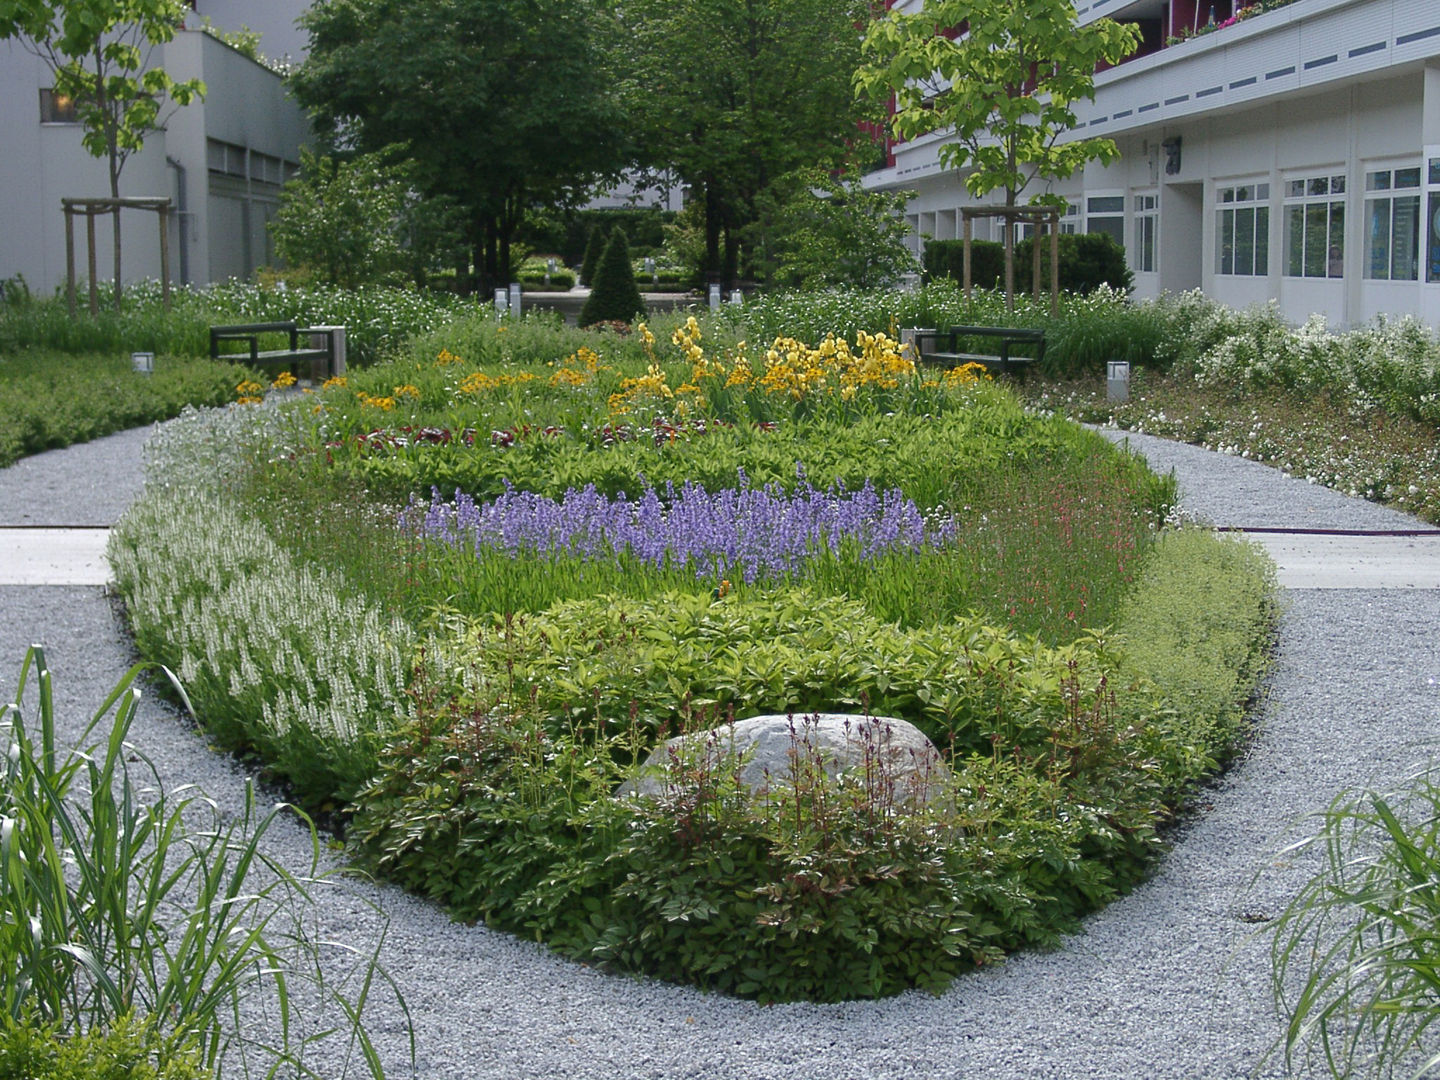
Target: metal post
(1055, 267)
(965, 257)
(164, 256)
(1037, 232)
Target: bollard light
(714, 296)
(515, 298)
(1117, 381)
(502, 301)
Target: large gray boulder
(894, 754)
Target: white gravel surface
(1170, 983)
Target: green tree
(502, 105)
(828, 230)
(342, 218)
(614, 294)
(100, 53)
(1003, 86)
(731, 95)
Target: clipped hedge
(1087, 261)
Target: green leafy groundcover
(498, 798)
(50, 400)
(488, 777)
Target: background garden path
(1170, 983)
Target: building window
(1392, 224)
(1147, 217)
(225, 158)
(1242, 230)
(57, 108)
(1315, 227)
(1070, 220)
(1106, 214)
(1432, 223)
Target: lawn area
(456, 598)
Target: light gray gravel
(1167, 984)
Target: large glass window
(1315, 227)
(1106, 214)
(1147, 218)
(1392, 224)
(1242, 230)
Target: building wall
(245, 107)
(1338, 105)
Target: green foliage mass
(128, 1049)
(340, 218)
(497, 800)
(817, 229)
(49, 400)
(613, 294)
(1087, 261)
(593, 249)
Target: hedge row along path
(1170, 983)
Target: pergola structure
(93, 207)
(1043, 218)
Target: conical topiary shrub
(593, 249)
(613, 295)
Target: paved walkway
(1170, 983)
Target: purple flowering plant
(746, 532)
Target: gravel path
(1170, 983)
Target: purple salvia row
(755, 532)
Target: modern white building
(221, 161)
(1292, 155)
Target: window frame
(1314, 200)
(1147, 230)
(1385, 186)
(1242, 206)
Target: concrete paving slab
(1323, 561)
(42, 556)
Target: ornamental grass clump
(127, 908)
(1356, 954)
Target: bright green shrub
(49, 400)
(1196, 633)
(128, 1049)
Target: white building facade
(1293, 155)
(221, 162)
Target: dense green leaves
(340, 219)
(1005, 84)
(731, 96)
(500, 104)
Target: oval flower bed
(801, 530)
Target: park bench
(318, 349)
(943, 347)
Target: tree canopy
(1003, 85)
(731, 95)
(500, 104)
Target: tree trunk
(731, 270)
(712, 232)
